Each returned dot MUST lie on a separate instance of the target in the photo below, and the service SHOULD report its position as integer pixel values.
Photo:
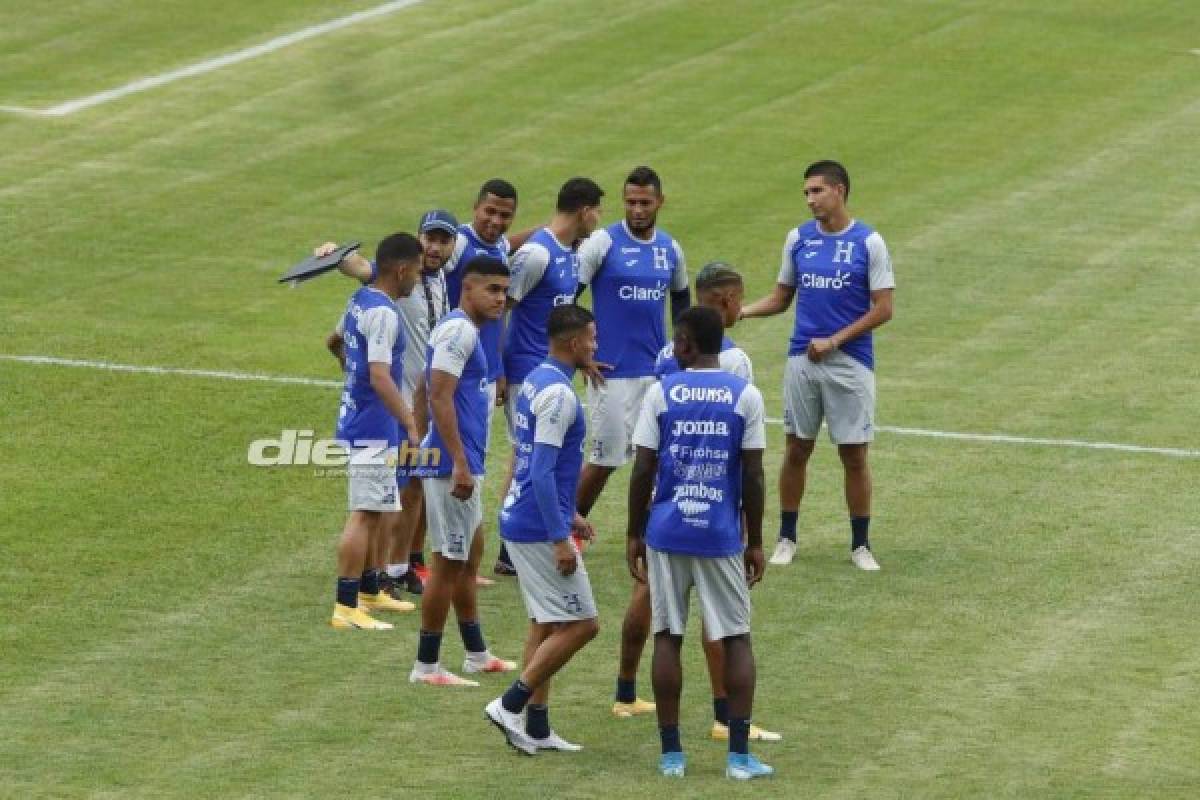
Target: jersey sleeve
(460, 247)
(592, 254)
(380, 326)
(528, 266)
(787, 274)
(554, 410)
(452, 344)
(879, 264)
(660, 360)
(340, 327)
(645, 433)
(750, 406)
(679, 278)
(736, 362)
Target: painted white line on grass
(208, 65)
(1003, 438)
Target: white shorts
(451, 523)
(372, 480)
(721, 591)
(613, 411)
(549, 595)
(838, 389)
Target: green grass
(163, 605)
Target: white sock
(479, 658)
(397, 570)
(426, 669)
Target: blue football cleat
(745, 767)
(672, 765)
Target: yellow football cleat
(384, 602)
(721, 733)
(634, 709)
(345, 618)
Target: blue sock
(347, 592)
(472, 636)
(739, 735)
(429, 646)
(537, 721)
(858, 532)
(626, 690)
(787, 524)
(669, 734)
(516, 697)
(721, 710)
(370, 581)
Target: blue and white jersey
(469, 245)
(371, 330)
(834, 275)
(631, 279)
(732, 359)
(545, 274)
(699, 421)
(547, 412)
(454, 347)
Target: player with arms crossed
(536, 520)
(373, 419)
(839, 270)
(460, 407)
(696, 476)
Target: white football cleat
(556, 742)
(863, 559)
(785, 551)
(437, 676)
(511, 725)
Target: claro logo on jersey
(681, 393)
(836, 282)
(656, 292)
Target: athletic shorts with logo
(372, 480)
(721, 591)
(613, 411)
(838, 389)
(451, 523)
(549, 595)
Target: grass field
(164, 606)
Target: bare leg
(634, 631)
(858, 479)
(793, 471)
(592, 479)
(739, 675)
(667, 674)
(353, 548)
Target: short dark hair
(498, 187)
(717, 275)
(568, 319)
(704, 328)
(579, 193)
(485, 265)
(644, 176)
(833, 173)
(398, 247)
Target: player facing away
(720, 287)
(459, 405)
(536, 521)
(840, 273)
(419, 313)
(697, 476)
(373, 419)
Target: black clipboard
(313, 266)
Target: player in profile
(373, 419)
(720, 287)
(843, 273)
(536, 521)
(697, 479)
(456, 374)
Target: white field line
(1000, 438)
(208, 65)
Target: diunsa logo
(681, 393)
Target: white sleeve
(679, 279)
(667, 352)
(787, 275)
(379, 325)
(340, 328)
(879, 264)
(750, 406)
(453, 343)
(645, 433)
(736, 362)
(592, 253)
(460, 247)
(528, 266)
(553, 411)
